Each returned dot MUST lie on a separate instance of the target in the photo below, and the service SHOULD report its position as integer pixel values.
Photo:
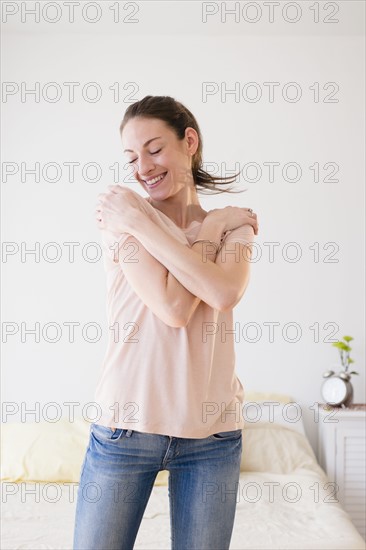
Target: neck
(182, 208)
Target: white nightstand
(342, 455)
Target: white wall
(169, 50)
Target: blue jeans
(117, 478)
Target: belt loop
(129, 432)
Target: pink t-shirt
(160, 379)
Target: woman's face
(161, 162)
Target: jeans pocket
(105, 432)
(226, 436)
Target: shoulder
(142, 203)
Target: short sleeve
(113, 242)
(111, 247)
(243, 234)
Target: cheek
(165, 160)
(174, 161)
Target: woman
(168, 395)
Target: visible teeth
(151, 182)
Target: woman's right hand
(118, 209)
(233, 217)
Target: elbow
(228, 301)
(181, 320)
(232, 296)
(225, 306)
(178, 315)
(175, 319)
(178, 322)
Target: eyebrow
(144, 145)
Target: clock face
(334, 390)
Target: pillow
(46, 451)
(267, 396)
(274, 408)
(274, 438)
(50, 452)
(270, 447)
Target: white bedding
(266, 524)
(283, 502)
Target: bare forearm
(191, 267)
(185, 302)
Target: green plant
(344, 351)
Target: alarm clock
(337, 389)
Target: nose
(145, 167)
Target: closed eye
(152, 153)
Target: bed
(285, 499)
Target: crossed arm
(172, 279)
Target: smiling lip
(157, 182)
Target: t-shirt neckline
(181, 228)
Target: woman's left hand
(117, 210)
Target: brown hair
(178, 118)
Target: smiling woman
(178, 119)
(168, 392)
